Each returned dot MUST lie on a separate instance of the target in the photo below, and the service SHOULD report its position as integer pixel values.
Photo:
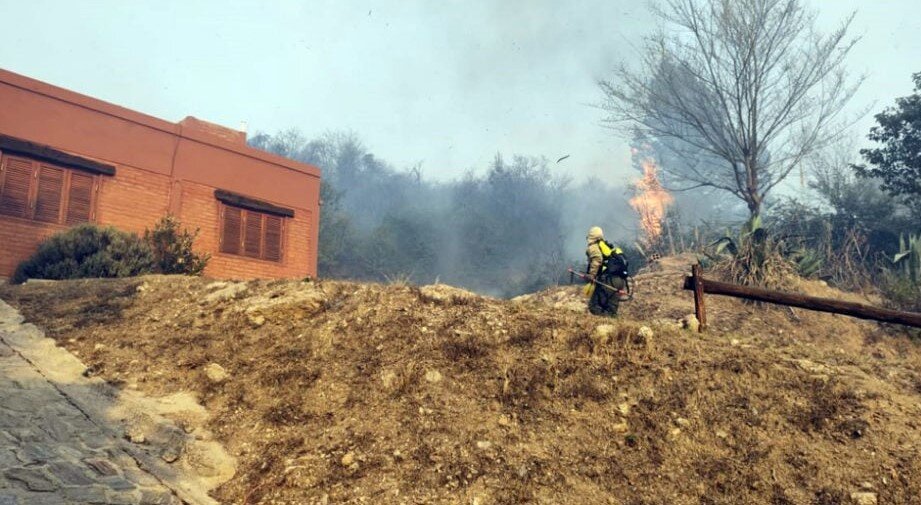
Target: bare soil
(363, 393)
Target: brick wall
(18, 240)
(133, 200)
(199, 209)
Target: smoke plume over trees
(510, 229)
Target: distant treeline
(512, 228)
(515, 225)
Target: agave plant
(752, 229)
(808, 262)
(909, 257)
(752, 258)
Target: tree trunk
(754, 209)
(752, 193)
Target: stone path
(51, 452)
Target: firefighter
(604, 266)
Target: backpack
(614, 262)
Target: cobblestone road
(51, 453)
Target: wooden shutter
(252, 238)
(230, 230)
(48, 194)
(79, 198)
(14, 192)
(252, 234)
(273, 234)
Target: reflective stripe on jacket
(597, 252)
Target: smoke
(508, 228)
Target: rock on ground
(223, 291)
(603, 334)
(216, 373)
(864, 498)
(443, 294)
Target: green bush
(93, 251)
(900, 292)
(87, 251)
(909, 258)
(901, 283)
(171, 246)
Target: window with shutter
(79, 198)
(48, 196)
(36, 190)
(16, 184)
(230, 236)
(253, 234)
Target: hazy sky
(447, 84)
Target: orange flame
(651, 201)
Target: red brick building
(66, 158)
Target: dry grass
(444, 398)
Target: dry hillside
(360, 393)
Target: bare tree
(748, 82)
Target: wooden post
(806, 302)
(700, 309)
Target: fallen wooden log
(806, 302)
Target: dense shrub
(901, 281)
(87, 251)
(900, 292)
(171, 246)
(93, 251)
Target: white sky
(444, 83)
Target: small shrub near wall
(88, 250)
(171, 245)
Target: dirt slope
(360, 393)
